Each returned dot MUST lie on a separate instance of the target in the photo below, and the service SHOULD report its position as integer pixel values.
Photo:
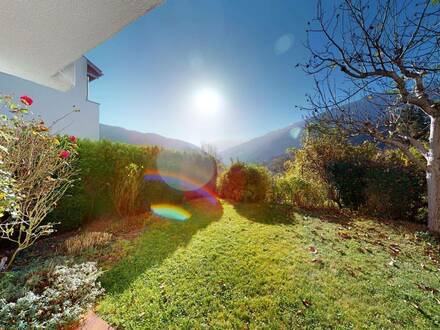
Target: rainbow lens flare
(185, 172)
(295, 132)
(170, 211)
(185, 183)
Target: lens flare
(185, 183)
(295, 132)
(284, 43)
(187, 172)
(170, 211)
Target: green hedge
(384, 187)
(99, 166)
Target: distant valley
(261, 150)
(267, 147)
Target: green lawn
(251, 266)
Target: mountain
(267, 147)
(222, 145)
(119, 134)
(273, 145)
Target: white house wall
(51, 104)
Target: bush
(126, 193)
(101, 167)
(36, 168)
(292, 189)
(244, 183)
(111, 181)
(383, 186)
(329, 170)
(86, 240)
(65, 294)
(348, 179)
(395, 190)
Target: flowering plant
(35, 173)
(26, 100)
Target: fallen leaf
(317, 261)
(352, 272)
(426, 288)
(306, 303)
(313, 250)
(344, 235)
(395, 249)
(415, 305)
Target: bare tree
(211, 150)
(376, 70)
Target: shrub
(102, 168)
(101, 165)
(111, 180)
(292, 189)
(125, 193)
(67, 293)
(382, 186)
(348, 179)
(244, 183)
(362, 177)
(394, 189)
(37, 166)
(86, 240)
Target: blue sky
(245, 50)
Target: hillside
(119, 134)
(267, 147)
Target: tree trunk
(433, 176)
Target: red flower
(26, 100)
(64, 154)
(73, 139)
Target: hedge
(99, 172)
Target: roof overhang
(93, 72)
(40, 40)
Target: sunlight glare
(207, 101)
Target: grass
(251, 266)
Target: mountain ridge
(123, 135)
(264, 148)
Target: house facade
(56, 106)
(41, 45)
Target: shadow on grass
(345, 217)
(266, 213)
(277, 214)
(329, 215)
(158, 242)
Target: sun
(207, 101)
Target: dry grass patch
(86, 240)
